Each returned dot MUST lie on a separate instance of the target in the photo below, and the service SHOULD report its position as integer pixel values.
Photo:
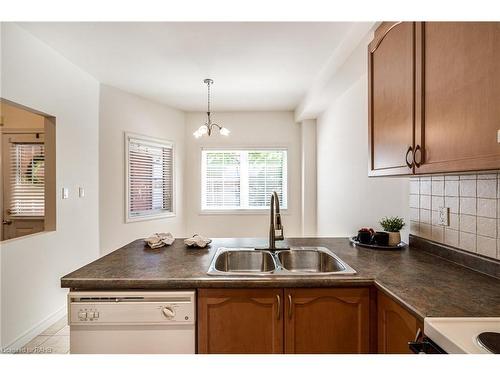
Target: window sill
(149, 217)
(20, 218)
(240, 212)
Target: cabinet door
(240, 321)
(391, 102)
(327, 320)
(396, 326)
(460, 93)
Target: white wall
(347, 198)
(248, 129)
(122, 112)
(309, 177)
(31, 267)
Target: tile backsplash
(473, 201)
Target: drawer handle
(410, 165)
(289, 306)
(414, 154)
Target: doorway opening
(28, 171)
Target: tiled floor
(54, 340)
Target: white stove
(460, 335)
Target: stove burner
(490, 341)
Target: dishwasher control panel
(144, 308)
(89, 314)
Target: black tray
(399, 246)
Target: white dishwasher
(135, 322)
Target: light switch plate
(81, 192)
(65, 193)
(444, 215)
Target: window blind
(222, 179)
(150, 178)
(265, 175)
(243, 179)
(27, 179)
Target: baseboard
(33, 332)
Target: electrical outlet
(444, 215)
(81, 192)
(65, 193)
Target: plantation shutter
(27, 179)
(266, 172)
(243, 179)
(150, 178)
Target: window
(27, 179)
(149, 178)
(243, 179)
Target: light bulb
(200, 131)
(225, 131)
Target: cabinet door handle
(289, 306)
(415, 153)
(410, 165)
(278, 306)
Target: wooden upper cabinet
(330, 320)
(391, 81)
(460, 94)
(434, 91)
(396, 326)
(240, 321)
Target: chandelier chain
(209, 125)
(208, 84)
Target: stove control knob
(82, 315)
(168, 312)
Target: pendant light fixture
(208, 127)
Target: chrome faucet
(275, 226)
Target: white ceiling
(255, 65)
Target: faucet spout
(275, 225)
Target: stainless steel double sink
(297, 261)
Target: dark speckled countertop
(426, 284)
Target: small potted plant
(393, 225)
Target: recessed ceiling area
(255, 65)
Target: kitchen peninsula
(380, 308)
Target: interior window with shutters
(243, 179)
(27, 179)
(149, 178)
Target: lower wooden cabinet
(309, 320)
(330, 320)
(396, 326)
(240, 321)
